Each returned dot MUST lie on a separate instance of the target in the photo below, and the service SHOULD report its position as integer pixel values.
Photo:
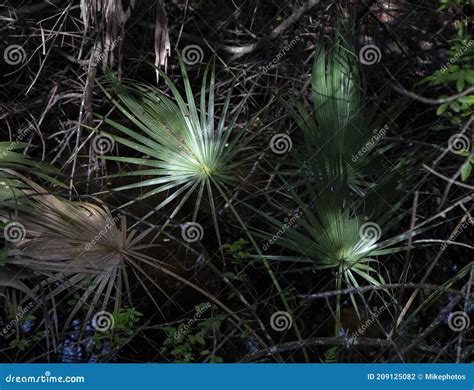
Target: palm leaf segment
(11, 159)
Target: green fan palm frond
(190, 150)
(324, 235)
(342, 222)
(340, 192)
(343, 123)
(11, 159)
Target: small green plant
(466, 171)
(237, 249)
(457, 72)
(446, 4)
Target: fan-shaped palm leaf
(337, 228)
(190, 150)
(78, 247)
(76, 243)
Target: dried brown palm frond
(78, 244)
(108, 17)
(90, 253)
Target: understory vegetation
(239, 181)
